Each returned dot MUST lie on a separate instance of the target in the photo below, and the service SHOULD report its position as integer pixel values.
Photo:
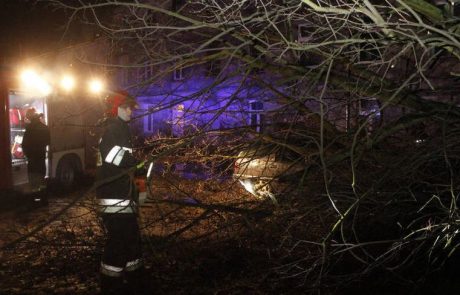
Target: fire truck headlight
(67, 83)
(96, 86)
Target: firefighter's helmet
(118, 99)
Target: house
(186, 80)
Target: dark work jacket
(36, 138)
(116, 160)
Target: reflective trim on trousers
(110, 270)
(116, 209)
(116, 206)
(114, 202)
(133, 265)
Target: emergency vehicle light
(42, 84)
(67, 83)
(96, 86)
(34, 82)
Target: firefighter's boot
(112, 285)
(137, 282)
(43, 196)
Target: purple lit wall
(173, 107)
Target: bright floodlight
(67, 83)
(96, 86)
(29, 77)
(32, 81)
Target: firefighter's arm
(115, 154)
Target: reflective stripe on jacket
(116, 155)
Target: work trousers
(36, 170)
(122, 256)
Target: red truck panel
(5, 155)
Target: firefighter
(36, 138)
(117, 201)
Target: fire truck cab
(71, 121)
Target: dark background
(29, 28)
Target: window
(368, 51)
(369, 109)
(124, 77)
(256, 105)
(312, 33)
(145, 73)
(451, 8)
(149, 122)
(368, 106)
(178, 74)
(177, 4)
(368, 55)
(214, 69)
(304, 33)
(256, 116)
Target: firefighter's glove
(140, 169)
(141, 165)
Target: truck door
(19, 103)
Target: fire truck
(71, 119)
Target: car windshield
(281, 153)
(286, 155)
(286, 141)
(257, 152)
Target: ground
(199, 237)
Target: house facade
(185, 86)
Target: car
(261, 170)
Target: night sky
(30, 28)
(27, 28)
